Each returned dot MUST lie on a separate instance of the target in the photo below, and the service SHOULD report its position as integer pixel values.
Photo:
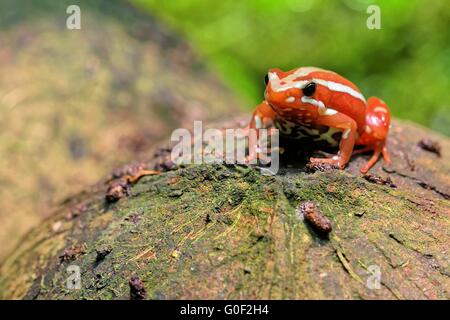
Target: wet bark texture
(228, 232)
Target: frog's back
(340, 94)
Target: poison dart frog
(323, 106)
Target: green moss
(232, 233)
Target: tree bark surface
(228, 232)
(75, 103)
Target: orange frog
(323, 106)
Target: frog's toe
(386, 157)
(334, 161)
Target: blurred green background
(406, 62)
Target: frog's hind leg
(376, 155)
(376, 131)
(385, 153)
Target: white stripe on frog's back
(339, 87)
(289, 82)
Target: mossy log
(75, 103)
(228, 232)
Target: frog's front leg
(262, 118)
(349, 129)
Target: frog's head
(292, 89)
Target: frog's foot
(380, 149)
(334, 161)
(385, 154)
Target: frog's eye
(266, 79)
(309, 89)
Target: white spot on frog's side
(346, 133)
(290, 99)
(317, 103)
(380, 109)
(368, 129)
(258, 123)
(335, 158)
(330, 112)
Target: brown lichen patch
(380, 180)
(127, 176)
(163, 160)
(73, 252)
(137, 289)
(322, 167)
(315, 217)
(117, 190)
(425, 204)
(430, 146)
(102, 252)
(128, 170)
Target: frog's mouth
(321, 108)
